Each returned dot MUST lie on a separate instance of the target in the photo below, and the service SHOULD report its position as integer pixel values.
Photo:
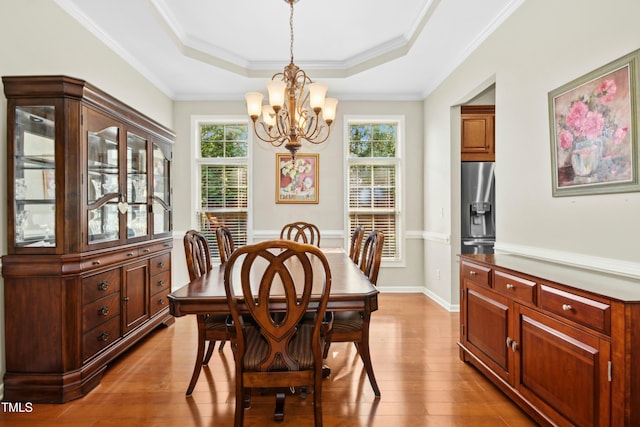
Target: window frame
(197, 161)
(398, 161)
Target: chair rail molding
(587, 262)
(431, 236)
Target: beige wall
(37, 37)
(329, 213)
(543, 45)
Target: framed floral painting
(297, 180)
(593, 121)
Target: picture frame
(297, 182)
(594, 131)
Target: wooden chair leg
(365, 355)
(199, 357)
(278, 414)
(210, 348)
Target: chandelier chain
(291, 29)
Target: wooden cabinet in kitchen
(561, 350)
(477, 133)
(89, 215)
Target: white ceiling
(363, 49)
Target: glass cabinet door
(136, 186)
(161, 190)
(34, 175)
(103, 186)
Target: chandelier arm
(275, 140)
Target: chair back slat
(356, 244)
(197, 253)
(372, 255)
(225, 243)
(302, 232)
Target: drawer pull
(510, 286)
(146, 250)
(103, 285)
(514, 346)
(104, 310)
(125, 299)
(161, 264)
(129, 254)
(161, 301)
(509, 341)
(160, 282)
(473, 273)
(96, 262)
(103, 336)
(566, 307)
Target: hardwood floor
(415, 357)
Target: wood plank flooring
(415, 357)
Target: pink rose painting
(592, 138)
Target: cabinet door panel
(488, 328)
(135, 295)
(563, 369)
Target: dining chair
(225, 243)
(356, 244)
(302, 232)
(211, 328)
(278, 351)
(353, 326)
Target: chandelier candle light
(294, 109)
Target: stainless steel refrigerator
(478, 205)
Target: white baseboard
(420, 290)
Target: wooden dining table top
(350, 289)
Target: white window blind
(224, 182)
(373, 181)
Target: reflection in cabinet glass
(103, 191)
(34, 187)
(136, 185)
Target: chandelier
(297, 107)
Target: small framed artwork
(297, 181)
(594, 131)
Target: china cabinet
(477, 133)
(89, 234)
(559, 341)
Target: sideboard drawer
(586, 311)
(100, 311)
(100, 337)
(515, 287)
(159, 301)
(160, 263)
(100, 285)
(476, 273)
(160, 282)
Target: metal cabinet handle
(160, 282)
(161, 301)
(161, 264)
(514, 346)
(130, 254)
(103, 336)
(566, 307)
(510, 286)
(472, 273)
(96, 262)
(104, 310)
(125, 299)
(103, 285)
(509, 341)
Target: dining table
(350, 289)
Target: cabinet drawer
(514, 287)
(476, 273)
(591, 313)
(100, 337)
(160, 263)
(107, 259)
(160, 282)
(156, 247)
(100, 311)
(100, 285)
(159, 301)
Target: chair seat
(216, 322)
(258, 349)
(346, 321)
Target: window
(223, 170)
(373, 161)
